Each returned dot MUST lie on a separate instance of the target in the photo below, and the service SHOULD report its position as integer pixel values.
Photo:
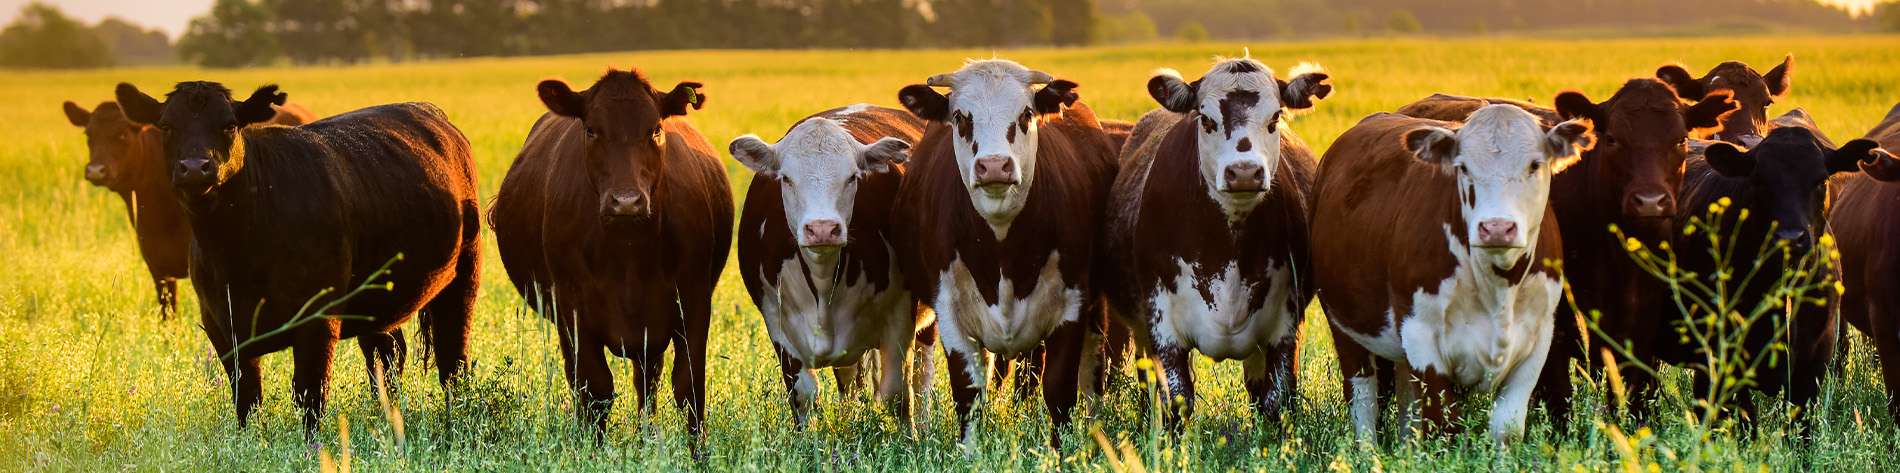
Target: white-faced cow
(815, 253)
(996, 223)
(1433, 250)
(1866, 230)
(1206, 244)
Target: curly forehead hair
(619, 84)
(198, 94)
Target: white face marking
(1243, 93)
(1221, 328)
(1012, 326)
(819, 166)
(1503, 171)
(993, 97)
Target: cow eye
(166, 129)
(1461, 169)
(1536, 166)
(852, 179)
(228, 129)
(1607, 140)
(787, 180)
(591, 134)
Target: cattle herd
(998, 217)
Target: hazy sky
(172, 15)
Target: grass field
(90, 379)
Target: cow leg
(1883, 325)
(1554, 390)
(247, 388)
(893, 389)
(1438, 405)
(1177, 365)
(1361, 389)
(1116, 347)
(310, 380)
(167, 296)
(1066, 348)
(1029, 372)
(801, 386)
(1511, 404)
(448, 317)
(589, 377)
(1273, 378)
(923, 374)
(850, 380)
(689, 354)
(969, 375)
(383, 355)
(1091, 372)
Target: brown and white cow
(1866, 230)
(126, 158)
(815, 253)
(1630, 180)
(1206, 245)
(1433, 249)
(996, 223)
(1753, 91)
(614, 222)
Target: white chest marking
(1012, 325)
(834, 326)
(1220, 326)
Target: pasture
(91, 380)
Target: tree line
(238, 33)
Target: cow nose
(197, 171)
(1245, 176)
(1796, 238)
(626, 205)
(824, 233)
(95, 171)
(1497, 232)
(992, 170)
(1655, 204)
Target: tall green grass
(91, 380)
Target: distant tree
(1401, 21)
(132, 44)
(1351, 24)
(44, 37)
(1079, 22)
(1190, 31)
(1479, 26)
(1888, 15)
(1132, 27)
(314, 31)
(235, 34)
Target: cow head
(623, 135)
(1238, 107)
(1642, 133)
(994, 107)
(1754, 92)
(113, 142)
(818, 166)
(199, 126)
(1788, 172)
(1504, 162)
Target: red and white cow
(1433, 251)
(996, 223)
(815, 253)
(1206, 245)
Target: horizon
(173, 16)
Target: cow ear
(755, 154)
(1850, 156)
(683, 96)
(1573, 104)
(77, 114)
(1059, 93)
(138, 107)
(1687, 86)
(924, 102)
(1171, 92)
(1728, 160)
(561, 99)
(1781, 78)
(1433, 145)
(1884, 167)
(879, 156)
(258, 109)
(1706, 115)
(1566, 141)
(1299, 93)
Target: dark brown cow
(1206, 244)
(1752, 91)
(285, 219)
(996, 225)
(1629, 180)
(815, 253)
(614, 222)
(1866, 230)
(1433, 251)
(126, 158)
(1782, 184)
(1117, 131)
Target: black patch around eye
(1010, 135)
(1471, 195)
(975, 149)
(965, 127)
(1208, 125)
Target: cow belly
(1464, 334)
(1210, 314)
(1012, 325)
(835, 325)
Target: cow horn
(941, 80)
(1038, 77)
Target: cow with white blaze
(1206, 245)
(995, 227)
(815, 253)
(1434, 251)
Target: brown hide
(1866, 228)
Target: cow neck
(824, 272)
(145, 164)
